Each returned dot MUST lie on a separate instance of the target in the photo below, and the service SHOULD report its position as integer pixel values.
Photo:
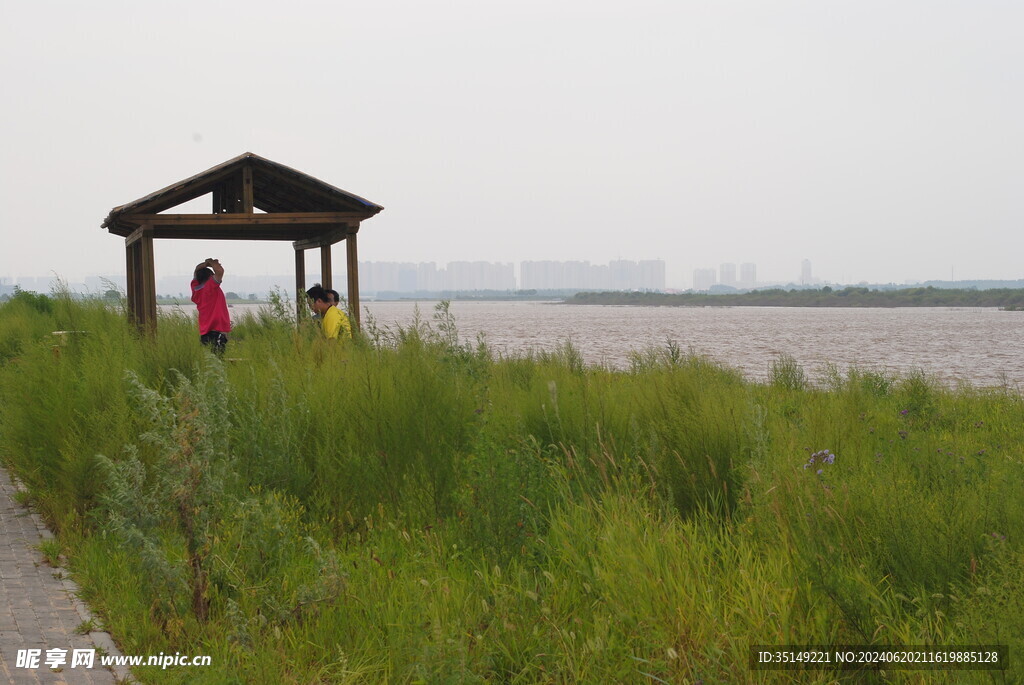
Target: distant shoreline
(1010, 299)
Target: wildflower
(821, 457)
(904, 412)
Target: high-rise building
(805, 272)
(619, 274)
(427, 277)
(623, 274)
(652, 274)
(703, 279)
(541, 275)
(748, 275)
(727, 274)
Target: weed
(86, 627)
(786, 374)
(52, 551)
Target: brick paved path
(38, 608)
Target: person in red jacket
(214, 322)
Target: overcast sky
(884, 141)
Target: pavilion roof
(293, 205)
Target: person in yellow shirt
(333, 321)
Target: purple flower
(821, 457)
(904, 412)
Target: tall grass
(406, 508)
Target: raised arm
(218, 270)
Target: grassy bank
(409, 509)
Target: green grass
(409, 509)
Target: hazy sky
(884, 141)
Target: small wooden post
(141, 278)
(247, 190)
(300, 282)
(131, 280)
(325, 266)
(147, 274)
(353, 274)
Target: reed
(409, 508)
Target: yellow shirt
(335, 322)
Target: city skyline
(542, 275)
(406, 277)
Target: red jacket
(213, 307)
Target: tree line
(852, 296)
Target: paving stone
(37, 609)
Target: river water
(982, 346)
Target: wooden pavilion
(292, 206)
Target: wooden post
(300, 282)
(353, 274)
(141, 278)
(219, 199)
(147, 277)
(325, 266)
(247, 191)
(131, 276)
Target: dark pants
(216, 339)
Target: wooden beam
(353, 274)
(300, 283)
(235, 226)
(134, 237)
(274, 219)
(230, 232)
(328, 238)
